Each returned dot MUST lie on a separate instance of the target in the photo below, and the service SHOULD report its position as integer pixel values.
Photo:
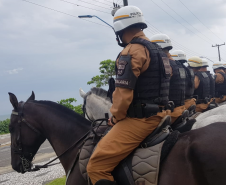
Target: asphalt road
(44, 153)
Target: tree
(4, 126)
(68, 103)
(107, 70)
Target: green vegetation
(107, 70)
(4, 126)
(68, 103)
(60, 181)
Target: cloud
(61, 53)
(14, 71)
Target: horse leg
(76, 177)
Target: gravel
(33, 178)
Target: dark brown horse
(198, 158)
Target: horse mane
(64, 110)
(99, 92)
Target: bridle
(26, 163)
(84, 110)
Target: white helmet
(163, 40)
(178, 55)
(218, 65)
(224, 64)
(205, 62)
(195, 62)
(128, 16)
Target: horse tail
(82, 93)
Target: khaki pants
(220, 100)
(177, 113)
(189, 102)
(123, 138)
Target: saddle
(185, 122)
(149, 150)
(159, 134)
(191, 110)
(181, 121)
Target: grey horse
(97, 103)
(208, 117)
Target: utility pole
(125, 2)
(217, 45)
(116, 7)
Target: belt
(141, 110)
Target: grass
(60, 181)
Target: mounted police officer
(205, 64)
(202, 84)
(180, 56)
(142, 88)
(220, 82)
(178, 76)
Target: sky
(46, 48)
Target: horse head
(25, 137)
(96, 103)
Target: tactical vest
(212, 84)
(189, 83)
(203, 91)
(221, 88)
(152, 86)
(177, 83)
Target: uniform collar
(139, 34)
(219, 70)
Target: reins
(26, 164)
(84, 110)
(38, 167)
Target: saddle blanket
(145, 165)
(141, 167)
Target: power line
(63, 13)
(185, 48)
(102, 2)
(120, 2)
(178, 21)
(176, 45)
(199, 20)
(109, 1)
(89, 3)
(84, 6)
(186, 20)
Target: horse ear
(13, 100)
(82, 93)
(32, 97)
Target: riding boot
(105, 182)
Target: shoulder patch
(121, 67)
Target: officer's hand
(110, 123)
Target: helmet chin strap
(120, 43)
